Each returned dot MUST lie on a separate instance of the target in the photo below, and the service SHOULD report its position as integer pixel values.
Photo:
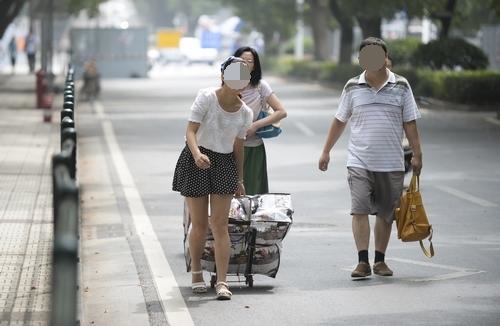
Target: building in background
(118, 52)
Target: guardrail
(66, 210)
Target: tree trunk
(271, 41)
(346, 35)
(446, 18)
(321, 31)
(370, 26)
(9, 9)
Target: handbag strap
(429, 253)
(262, 102)
(414, 185)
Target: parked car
(192, 52)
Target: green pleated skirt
(255, 170)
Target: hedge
(469, 87)
(449, 54)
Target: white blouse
(218, 128)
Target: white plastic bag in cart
(239, 224)
(270, 215)
(272, 208)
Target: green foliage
(449, 53)
(402, 50)
(409, 73)
(470, 87)
(269, 17)
(429, 83)
(364, 8)
(308, 45)
(340, 73)
(468, 15)
(317, 70)
(74, 6)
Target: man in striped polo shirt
(380, 106)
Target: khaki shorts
(375, 193)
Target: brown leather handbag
(411, 219)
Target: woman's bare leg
(198, 210)
(219, 206)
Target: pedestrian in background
(257, 92)
(91, 87)
(30, 47)
(210, 168)
(380, 105)
(13, 53)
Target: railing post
(66, 212)
(65, 252)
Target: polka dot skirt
(220, 178)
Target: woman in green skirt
(257, 93)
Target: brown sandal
(222, 291)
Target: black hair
(373, 41)
(256, 73)
(227, 62)
(390, 58)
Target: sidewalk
(26, 229)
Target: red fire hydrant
(44, 96)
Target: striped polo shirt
(376, 122)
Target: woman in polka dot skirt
(210, 167)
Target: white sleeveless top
(218, 128)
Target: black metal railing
(66, 210)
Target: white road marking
(492, 120)
(99, 110)
(167, 288)
(457, 272)
(466, 196)
(305, 129)
(426, 264)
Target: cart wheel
(213, 280)
(249, 281)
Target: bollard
(68, 148)
(69, 105)
(41, 87)
(69, 98)
(66, 113)
(58, 177)
(69, 89)
(66, 123)
(65, 252)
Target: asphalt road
(460, 184)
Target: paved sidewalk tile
(26, 229)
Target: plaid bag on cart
(257, 226)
